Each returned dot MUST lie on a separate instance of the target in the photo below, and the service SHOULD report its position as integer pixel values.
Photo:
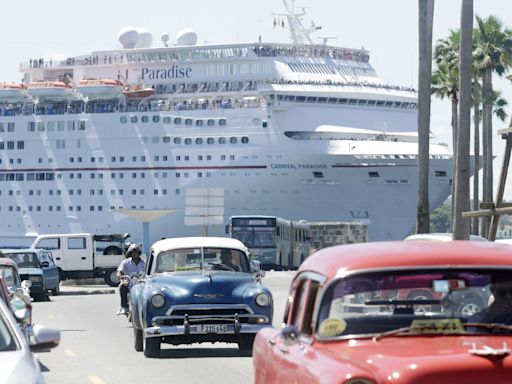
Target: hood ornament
(209, 295)
(488, 351)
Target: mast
(298, 33)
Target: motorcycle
(130, 281)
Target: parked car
(330, 337)
(18, 293)
(19, 363)
(199, 289)
(36, 265)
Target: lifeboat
(136, 91)
(48, 89)
(12, 92)
(99, 87)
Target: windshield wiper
(489, 326)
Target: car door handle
(272, 342)
(83, 257)
(284, 350)
(57, 258)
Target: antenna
(326, 38)
(165, 38)
(299, 33)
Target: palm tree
(425, 25)
(475, 228)
(493, 53)
(445, 82)
(462, 169)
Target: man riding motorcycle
(132, 264)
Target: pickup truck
(85, 255)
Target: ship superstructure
(300, 130)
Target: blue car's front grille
(207, 315)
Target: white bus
(275, 242)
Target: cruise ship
(104, 141)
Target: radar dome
(145, 38)
(186, 37)
(128, 37)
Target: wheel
(138, 339)
(469, 306)
(111, 278)
(421, 295)
(56, 290)
(152, 347)
(245, 343)
(112, 250)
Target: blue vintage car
(37, 266)
(198, 289)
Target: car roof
(440, 237)
(22, 250)
(7, 261)
(190, 242)
(345, 259)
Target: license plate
(212, 328)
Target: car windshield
(10, 276)
(444, 299)
(255, 237)
(202, 259)
(24, 260)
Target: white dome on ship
(128, 37)
(145, 38)
(186, 37)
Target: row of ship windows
(121, 159)
(335, 100)
(175, 120)
(331, 70)
(373, 174)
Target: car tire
(56, 290)
(469, 306)
(245, 343)
(152, 347)
(111, 278)
(138, 339)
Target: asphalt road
(97, 346)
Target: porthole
(199, 141)
(144, 119)
(133, 119)
(222, 122)
(123, 119)
(245, 140)
(199, 123)
(222, 140)
(156, 119)
(166, 139)
(167, 120)
(188, 121)
(155, 139)
(177, 120)
(233, 140)
(177, 140)
(188, 141)
(210, 140)
(210, 122)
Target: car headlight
(262, 299)
(36, 279)
(158, 300)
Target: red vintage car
(344, 322)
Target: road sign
(203, 220)
(204, 206)
(204, 211)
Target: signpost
(204, 206)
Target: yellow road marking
(69, 353)
(95, 380)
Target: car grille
(208, 315)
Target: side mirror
(278, 231)
(255, 266)
(44, 338)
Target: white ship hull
(271, 174)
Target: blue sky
(388, 29)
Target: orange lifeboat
(12, 92)
(99, 87)
(49, 89)
(135, 91)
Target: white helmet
(133, 247)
